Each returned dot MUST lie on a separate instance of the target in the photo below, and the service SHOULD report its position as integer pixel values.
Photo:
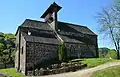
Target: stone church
(38, 42)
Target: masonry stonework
(38, 53)
(80, 50)
(22, 54)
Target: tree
(111, 54)
(109, 19)
(7, 47)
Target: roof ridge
(34, 20)
(71, 24)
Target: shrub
(62, 53)
(112, 54)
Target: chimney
(50, 15)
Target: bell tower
(50, 15)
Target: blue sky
(83, 12)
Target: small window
(17, 46)
(50, 20)
(22, 51)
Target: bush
(107, 53)
(101, 55)
(111, 54)
(62, 53)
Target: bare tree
(109, 19)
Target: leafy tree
(109, 19)
(1, 49)
(7, 47)
(112, 54)
(9, 36)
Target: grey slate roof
(71, 32)
(29, 38)
(64, 27)
(68, 27)
(50, 9)
(65, 30)
(36, 24)
(70, 40)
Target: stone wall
(39, 53)
(22, 54)
(93, 39)
(17, 52)
(80, 50)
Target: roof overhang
(51, 9)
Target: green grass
(92, 62)
(108, 72)
(11, 72)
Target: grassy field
(92, 62)
(11, 72)
(108, 72)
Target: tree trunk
(118, 54)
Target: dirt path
(84, 72)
